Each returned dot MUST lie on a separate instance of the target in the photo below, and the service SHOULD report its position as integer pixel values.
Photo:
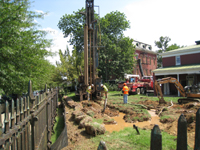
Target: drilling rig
(90, 75)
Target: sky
(149, 19)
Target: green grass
(128, 139)
(100, 121)
(117, 97)
(166, 117)
(58, 126)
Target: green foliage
(70, 65)
(58, 126)
(116, 58)
(111, 87)
(163, 46)
(72, 25)
(23, 48)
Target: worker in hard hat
(125, 91)
(89, 91)
(104, 90)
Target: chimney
(197, 42)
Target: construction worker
(89, 90)
(105, 90)
(125, 91)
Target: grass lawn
(128, 139)
(117, 97)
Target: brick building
(182, 64)
(148, 59)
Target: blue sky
(149, 19)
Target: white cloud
(59, 42)
(40, 11)
(151, 19)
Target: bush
(111, 87)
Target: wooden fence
(29, 121)
(156, 137)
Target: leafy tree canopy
(69, 65)
(117, 55)
(23, 48)
(163, 46)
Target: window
(150, 72)
(178, 60)
(149, 60)
(146, 60)
(141, 58)
(136, 56)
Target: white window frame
(178, 58)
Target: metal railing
(28, 122)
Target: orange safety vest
(125, 89)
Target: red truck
(137, 85)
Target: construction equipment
(137, 85)
(185, 92)
(90, 47)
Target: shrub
(111, 87)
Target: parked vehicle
(137, 85)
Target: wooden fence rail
(28, 122)
(156, 137)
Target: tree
(117, 54)
(163, 45)
(116, 58)
(23, 48)
(69, 65)
(73, 25)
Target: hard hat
(124, 83)
(92, 85)
(101, 84)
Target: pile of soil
(79, 123)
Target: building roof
(182, 51)
(146, 48)
(188, 69)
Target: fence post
(197, 131)
(182, 133)
(31, 110)
(1, 125)
(156, 138)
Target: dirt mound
(111, 112)
(149, 103)
(94, 128)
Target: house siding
(190, 59)
(169, 61)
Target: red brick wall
(169, 61)
(190, 59)
(148, 64)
